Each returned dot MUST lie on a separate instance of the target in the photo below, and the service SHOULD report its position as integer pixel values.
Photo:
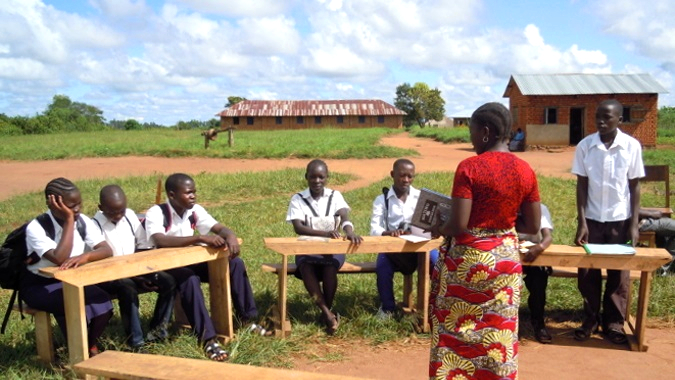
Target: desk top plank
(126, 365)
(645, 259)
(370, 244)
(139, 263)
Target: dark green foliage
(420, 103)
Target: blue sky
(164, 61)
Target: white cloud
(648, 29)
(270, 36)
(246, 8)
(119, 9)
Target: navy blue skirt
(46, 294)
(318, 261)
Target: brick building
(559, 109)
(299, 114)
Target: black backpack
(14, 258)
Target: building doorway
(576, 125)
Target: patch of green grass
(444, 135)
(254, 205)
(303, 143)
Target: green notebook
(609, 249)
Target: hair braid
(60, 186)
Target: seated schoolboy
(391, 215)
(306, 213)
(536, 278)
(664, 228)
(125, 234)
(60, 239)
(177, 229)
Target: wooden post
(230, 136)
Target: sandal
(215, 352)
(616, 336)
(333, 324)
(584, 332)
(259, 330)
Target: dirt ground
(408, 358)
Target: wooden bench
(126, 365)
(351, 268)
(44, 332)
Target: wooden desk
(371, 244)
(113, 268)
(646, 260)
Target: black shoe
(542, 335)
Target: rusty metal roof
(584, 84)
(272, 108)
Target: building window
(300, 120)
(626, 114)
(278, 120)
(249, 120)
(551, 116)
(362, 119)
(340, 119)
(317, 119)
(235, 120)
(380, 119)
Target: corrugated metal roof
(584, 84)
(272, 108)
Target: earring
(485, 139)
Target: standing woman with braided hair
(475, 285)
(58, 238)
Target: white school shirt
(38, 242)
(180, 224)
(298, 209)
(398, 212)
(125, 236)
(545, 222)
(608, 172)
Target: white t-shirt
(608, 172)
(125, 236)
(39, 243)
(298, 209)
(180, 224)
(398, 212)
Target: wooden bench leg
(408, 302)
(44, 337)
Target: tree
(232, 100)
(421, 104)
(132, 125)
(74, 116)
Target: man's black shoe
(542, 335)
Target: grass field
(305, 143)
(254, 205)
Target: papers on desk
(417, 235)
(525, 246)
(609, 249)
(313, 238)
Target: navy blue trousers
(242, 293)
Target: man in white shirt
(536, 277)
(125, 234)
(392, 212)
(608, 165)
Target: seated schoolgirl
(58, 238)
(319, 211)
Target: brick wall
(532, 110)
(291, 122)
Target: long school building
(300, 114)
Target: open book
(429, 205)
(416, 235)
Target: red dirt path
(408, 358)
